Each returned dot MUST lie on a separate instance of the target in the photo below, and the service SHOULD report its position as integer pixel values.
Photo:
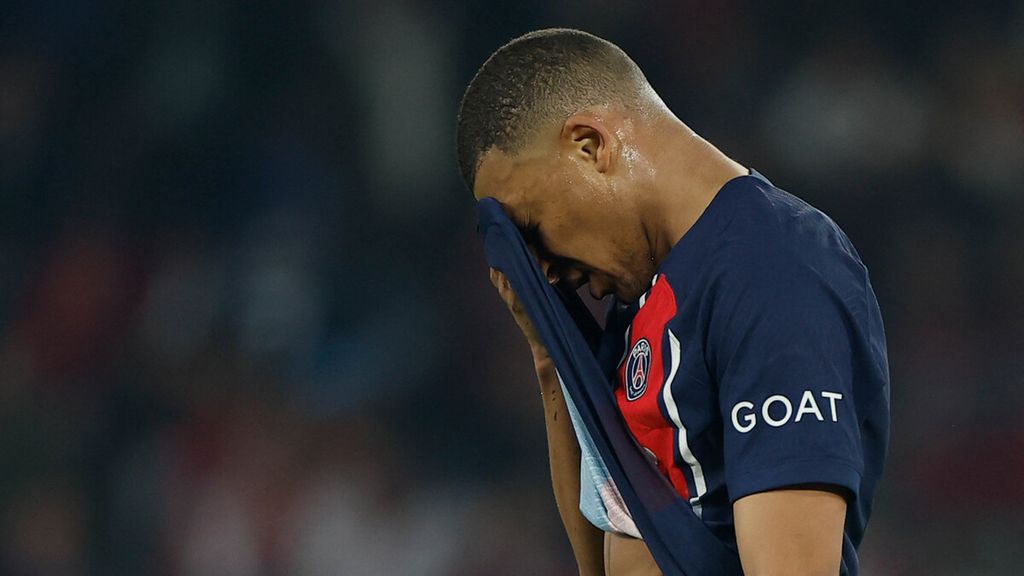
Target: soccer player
(752, 366)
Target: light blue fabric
(593, 472)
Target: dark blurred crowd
(245, 323)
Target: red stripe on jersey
(643, 415)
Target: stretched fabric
(678, 540)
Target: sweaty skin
(602, 199)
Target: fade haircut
(535, 80)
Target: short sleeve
(780, 345)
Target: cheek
(597, 242)
(600, 252)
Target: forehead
(502, 177)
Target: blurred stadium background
(246, 328)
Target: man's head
(553, 127)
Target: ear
(590, 140)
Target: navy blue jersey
(757, 360)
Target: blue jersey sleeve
(780, 343)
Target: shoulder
(752, 220)
(758, 245)
(775, 240)
(780, 223)
(770, 257)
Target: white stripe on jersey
(700, 486)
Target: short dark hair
(535, 79)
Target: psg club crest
(637, 369)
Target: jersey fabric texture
(757, 360)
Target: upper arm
(793, 531)
(784, 341)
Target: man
(752, 368)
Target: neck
(687, 174)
